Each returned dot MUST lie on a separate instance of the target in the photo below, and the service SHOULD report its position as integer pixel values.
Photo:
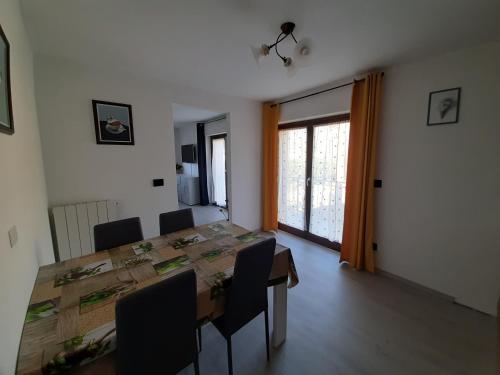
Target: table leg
(279, 314)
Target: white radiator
(74, 226)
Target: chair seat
(222, 327)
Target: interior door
(312, 177)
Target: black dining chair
(156, 328)
(246, 297)
(176, 220)
(117, 233)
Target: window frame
(310, 124)
(212, 138)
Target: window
(312, 178)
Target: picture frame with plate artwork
(113, 123)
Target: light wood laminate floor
(205, 214)
(342, 321)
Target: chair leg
(199, 339)
(266, 316)
(196, 365)
(229, 355)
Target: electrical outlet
(13, 236)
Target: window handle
(308, 181)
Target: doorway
(312, 178)
(219, 169)
(193, 131)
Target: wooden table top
(72, 307)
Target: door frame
(310, 124)
(219, 136)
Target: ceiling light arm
(276, 45)
(278, 40)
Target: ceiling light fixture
(301, 54)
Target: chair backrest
(156, 327)
(176, 220)
(117, 233)
(247, 295)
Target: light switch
(158, 182)
(13, 236)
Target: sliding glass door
(292, 177)
(312, 176)
(329, 168)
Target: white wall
(438, 213)
(78, 169)
(328, 103)
(23, 199)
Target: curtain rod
(313, 94)
(320, 92)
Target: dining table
(70, 321)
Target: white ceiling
(183, 114)
(205, 44)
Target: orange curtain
(270, 119)
(357, 237)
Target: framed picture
(113, 123)
(443, 107)
(6, 120)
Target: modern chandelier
(301, 52)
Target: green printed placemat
(213, 254)
(42, 310)
(104, 296)
(80, 273)
(142, 248)
(192, 239)
(218, 227)
(249, 237)
(136, 260)
(167, 266)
